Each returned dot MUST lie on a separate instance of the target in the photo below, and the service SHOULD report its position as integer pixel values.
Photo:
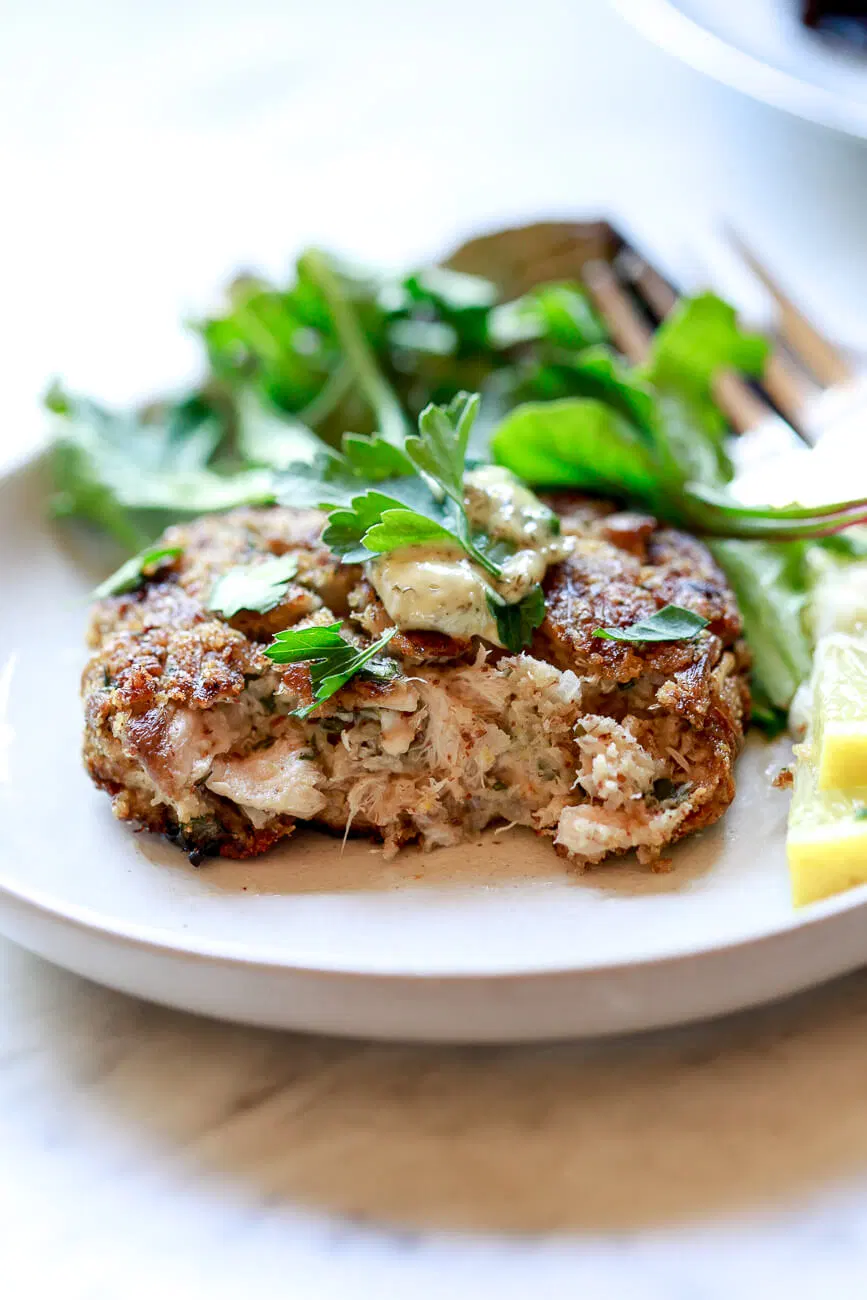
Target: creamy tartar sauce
(439, 589)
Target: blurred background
(149, 150)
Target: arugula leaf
(452, 291)
(577, 442)
(599, 373)
(697, 340)
(333, 660)
(133, 572)
(560, 314)
(132, 476)
(691, 441)
(446, 300)
(671, 623)
(700, 337)
(770, 584)
(271, 340)
(517, 622)
(257, 587)
(80, 492)
(271, 438)
(434, 337)
(360, 356)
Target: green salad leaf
(696, 340)
(314, 387)
(131, 476)
(389, 415)
(560, 314)
(770, 584)
(578, 442)
(333, 660)
(255, 587)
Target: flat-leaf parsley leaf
(257, 587)
(671, 623)
(333, 660)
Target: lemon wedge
(827, 839)
(839, 738)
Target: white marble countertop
(149, 149)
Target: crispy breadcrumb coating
(602, 745)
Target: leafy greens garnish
(133, 572)
(291, 367)
(132, 475)
(333, 660)
(424, 505)
(558, 313)
(256, 587)
(517, 622)
(671, 623)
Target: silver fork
(809, 389)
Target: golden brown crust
(158, 645)
(602, 584)
(215, 543)
(160, 653)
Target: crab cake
(605, 746)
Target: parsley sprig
(381, 498)
(333, 660)
(671, 623)
(416, 497)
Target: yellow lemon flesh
(827, 839)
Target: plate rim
(156, 941)
(666, 25)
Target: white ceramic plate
(761, 48)
(497, 941)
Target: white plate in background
(495, 941)
(761, 48)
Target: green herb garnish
(256, 587)
(332, 659)
(671, 623)
(517, 622)
(423, 505)
(133, 572)
(131, 476)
